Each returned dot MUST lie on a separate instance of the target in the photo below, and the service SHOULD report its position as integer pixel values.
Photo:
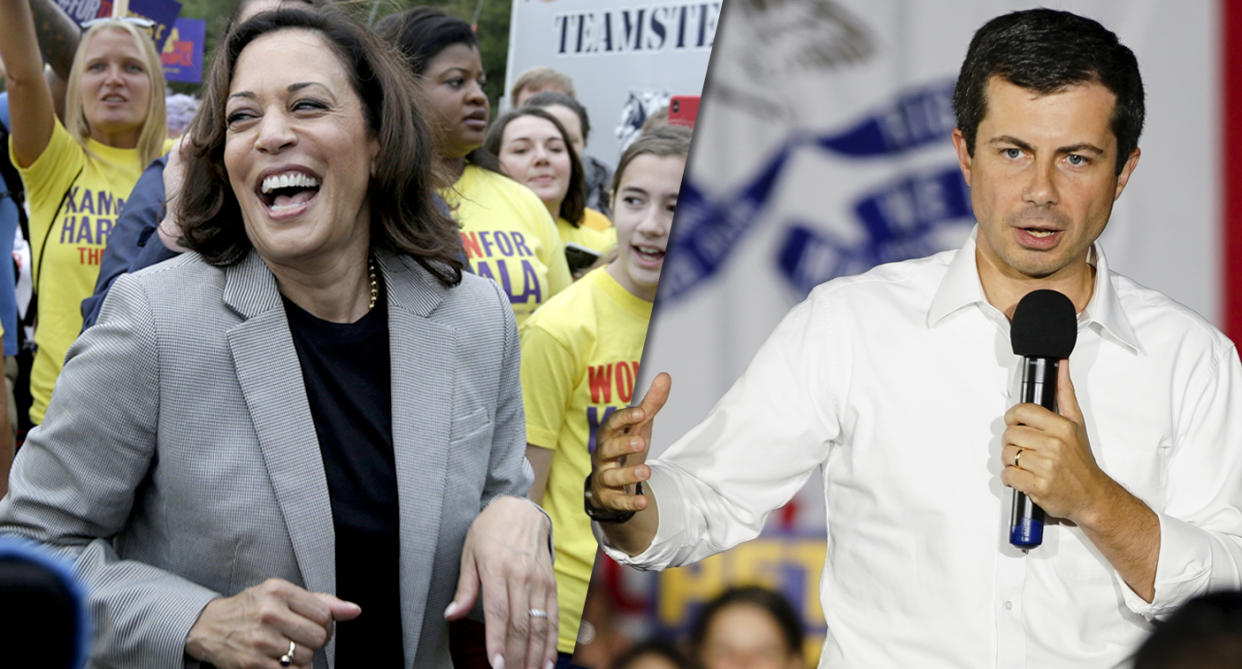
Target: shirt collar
(961, 288)
(1104, 311)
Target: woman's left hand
(507, 554)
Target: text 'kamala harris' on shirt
(88, 218)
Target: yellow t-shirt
(602, 242)
(580, 356)
(509, 237)
(66, 261)
(597, 221)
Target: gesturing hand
(507, 554)
(254, 627)
(1056, 468)
(621, 446)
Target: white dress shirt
(895, 383)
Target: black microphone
(1043, 331)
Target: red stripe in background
(1231, 185)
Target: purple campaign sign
(162, 12)
(82, 11)
(183, 56)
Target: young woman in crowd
(78, 174)
(535, 149)
(507, 233)
(573, 115)
(580, 356)
(748, 626)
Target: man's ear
(1126, 171)
(963, 154)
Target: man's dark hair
(1205, 633)
(769, 601)
(1047, 51)
(404, 216)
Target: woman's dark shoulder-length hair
(420, 34)
(574, 204)
(404, 216)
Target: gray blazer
(179, 461)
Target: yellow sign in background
(790, 565)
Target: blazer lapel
(271, 380)
(422, 354)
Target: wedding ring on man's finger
(1016, 457)
(537, 613)
(287, 658)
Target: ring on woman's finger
(287, 658)
(537, 613)
(1016, 457)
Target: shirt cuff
(661, 552)
(1183, 569)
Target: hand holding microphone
(1047, 457)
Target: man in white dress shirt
(901, 385)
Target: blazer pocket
(470, 426)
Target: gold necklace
(374, 283)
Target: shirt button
(1008, 605)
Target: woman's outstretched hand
(507, 555)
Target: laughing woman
(508, 235)
(78, 174)
(595, 329)
(302, 444)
